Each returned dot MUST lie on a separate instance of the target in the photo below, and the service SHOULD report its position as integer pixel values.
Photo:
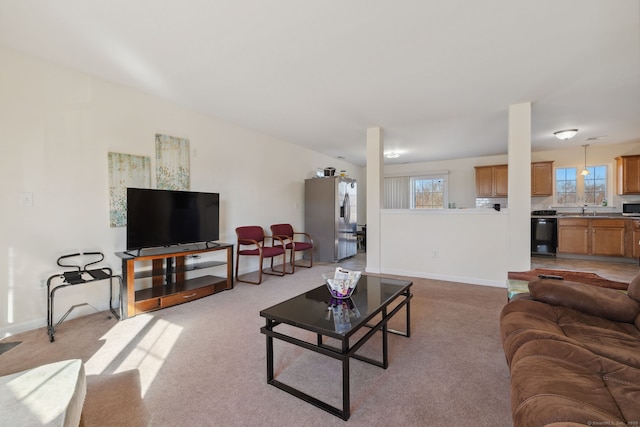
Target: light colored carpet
(203, 363)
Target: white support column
(375, 174)
(519, 158)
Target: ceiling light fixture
(565, 134)
(585, 171)
(392, 155)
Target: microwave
(631, 209)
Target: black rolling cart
(79, 275)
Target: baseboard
(448, 278)
(18, 328)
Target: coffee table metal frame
(347, 350)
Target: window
(591, 190)
(595, 185)
(427, 193)
(566, 188)
(416, 192)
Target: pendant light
(585, 171)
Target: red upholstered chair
(295, 241)
(251, 242)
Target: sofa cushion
(555, 381)
(529, 320)
(602, 302)
(634, 288)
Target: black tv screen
(167, 217)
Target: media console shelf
(170, 284)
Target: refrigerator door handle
(346, 207)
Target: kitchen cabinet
(542, 178)
(628, 175)
(492, 181)
(573, 236)
(607, 237)
(634, 241)
(597, 236)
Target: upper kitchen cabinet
(492, 181)
(542, 178)
(628, 175)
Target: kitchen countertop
(588, 215)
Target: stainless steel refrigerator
(331, 217)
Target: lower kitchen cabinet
(573, 236)
(598, 236)
(635, 239)
(607, 237)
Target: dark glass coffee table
(374, 301)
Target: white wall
(56, 128)
(469, 246)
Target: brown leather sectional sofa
(573, 351)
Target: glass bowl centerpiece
(343, 282)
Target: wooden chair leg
(310, 260)
(284, 264)
(284, 267)
(248, 281)
(237, 264)
(262, 271)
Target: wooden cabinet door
(501, 181)
(607, 241)
(635, 243)
(484, 181)
(573, 236)
(542, 179)
(607, 237)
(628, 175)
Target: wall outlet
(43, 283)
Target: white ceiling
(437, 75)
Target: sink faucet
(583, 208)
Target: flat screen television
(166, 217)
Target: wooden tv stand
(170, 284)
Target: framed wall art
(125, 170)
(172, 163)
